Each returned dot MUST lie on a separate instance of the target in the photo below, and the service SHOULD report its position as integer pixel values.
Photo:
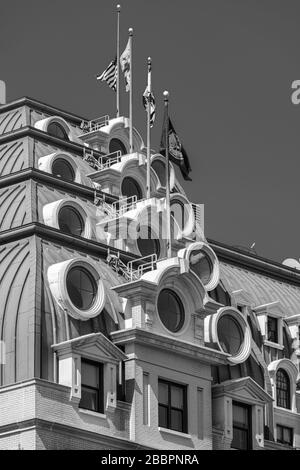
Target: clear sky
(228, 65)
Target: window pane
(176, 397)
(272, 329)
(90, 374)
(163, 393)
(162, 416)
(240, 439)
(176, 420)
(240, 415)
(89, 399)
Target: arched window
(283, 389)
(116, 145)
(62, 169)
(130, 188)
(56, 130)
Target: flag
(110, 75)
(177, 153)
(125, 62)
(148, 96)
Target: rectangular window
(91, 386)
(172, 406)
(273, 329)
(241, 424)
(285, 435)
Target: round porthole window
(228, 331)
(148, 245)
(170, 310)
(131, 188)
(62, 169)
(201, 264)
(81, 288)
(116, 145)
(230, 335)
(70, 221)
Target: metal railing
(149, 265)
(124, 204)
(94, 124)
(111, 159)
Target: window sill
(175, 433)
(92, 413)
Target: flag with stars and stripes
(148, 97)
(110, 75)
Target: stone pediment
(244, 389)
(94, 346)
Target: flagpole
(118, 59)
(168, 208)
(130, 92)
(148, 129)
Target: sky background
(228, 65)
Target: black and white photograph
(149, 228)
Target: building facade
(107, 343)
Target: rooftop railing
(94, 125)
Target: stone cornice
(56, 236)
(35, 104)
(173, 345)
(47, 178)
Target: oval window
(160, 170)
(56, 130)
(148, 246)
(201, 264)
(81, 287)
(170, 310)
(63, 169)
(230, 334)
(131, 188)
(70, 221)
(116, 145)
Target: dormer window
(272, 332)
(56, 130)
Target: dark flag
(177, 153)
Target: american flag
(110, 75)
